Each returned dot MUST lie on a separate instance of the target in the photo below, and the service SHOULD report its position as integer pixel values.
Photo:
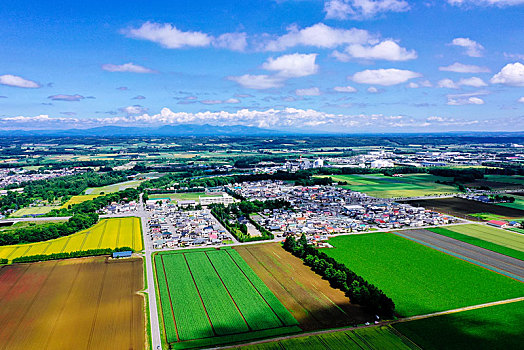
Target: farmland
(72, 304)
(491, 234)
(79, 199)
(113, 188)
(494, 327)
(381, 186)
(309, 298)
(424, 280)
(33, 211)
(479, 242)
(380, 337)
(518, 204)
(108, 233)
(463, 207)
(210, 297)
(180, 196)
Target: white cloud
(413, 85)
(126, 67)
(372, 90)
(499, 3)
(387, 50)
(232, 100)
(464, 68)
(360, 9)
(447, 83)
(384, 77)
(318, 35)
(258, 82)
(16, 81)
(64, 97)
(168, 35)
(473, 81)
(521, 100)
(314, 91)
(344, 89)
(514, 56)
(292, 66)
(473, 49)
(511, 74)
(465, 101)
(131, 110)
(231, 41)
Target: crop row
(254, 308)
(190, 315)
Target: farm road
(497, 262)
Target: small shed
(124, 254)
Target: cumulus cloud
(16, 81)
(64, 97)
(384, 77)
(413, 85)
(344, 89)
(318, 35)
(231, 41)
(127, 67)
(372, 90)
(313, 91)
(511, 74)
(292, 66)
(258, 82)
(473, 48)
(447, 83)
(361, 9)
(473, 81)
(500, 3)
(387, 50)
(464, 68)
(465, 101)
(168, 35)
(132, 110)
(217, 102)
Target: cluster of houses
(120, 208)
(326, 210)
(169, 228)
(9, 176)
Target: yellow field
(79, 199)
(108, 233)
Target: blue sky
(334, 65)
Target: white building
(223, 199)
(382, 163)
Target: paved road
(500, 263)
(151, 289)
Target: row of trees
(40, 233)
(358, 290)
(224, 215)
(76, 254)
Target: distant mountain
(166, 130)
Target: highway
(488, 259)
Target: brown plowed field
(309, 298)
(72, 304)
(463, 207)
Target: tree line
(358, 290)
(69, 255)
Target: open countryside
(108, 233)
(87, 303)
(211, 297)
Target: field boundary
(170, 301)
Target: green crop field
(380, 337)
(419, 279)
(30, 211)
(180, 196)
(519, 180)
(518, 204)
(517, 254)
(410, 185)
(210, 297)
(108, 233)
(491, 234)
(494, 327)
(113, 188)
(79, 199)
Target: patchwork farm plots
(79, 199)
(87, 303)
(409, 185)
(210, 297)
(418, 278)
(108, 233)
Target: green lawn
(113, 188)
(517, 254)
(208, 297)
(491, 234)
(380, 337)
(494, 327)
(420, 279)
(409, 185)
(518, 204)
